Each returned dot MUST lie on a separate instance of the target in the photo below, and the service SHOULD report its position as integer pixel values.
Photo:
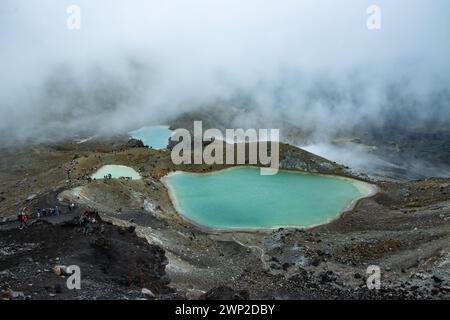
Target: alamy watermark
(73, 21)
(374, 19)
(374, 279)
(74, 280)
(73, 272)
(208, 147)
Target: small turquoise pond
(116, 172)
(241, 198)
(156, 137)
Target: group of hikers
(85, 221)
(109, 177)
(23, 217)
(56, 211)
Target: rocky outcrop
(293, 158)
(132, 263)
(135, 143)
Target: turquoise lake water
(116, 171)
(241, 198)
(156, 137)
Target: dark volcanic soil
(114, 262)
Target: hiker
(86, 224)
(19, 218)
(88, 211)
(51, 211)
(57, 211)
(23, 218)
(44, 212)
(38, 212)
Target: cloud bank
(311, 64)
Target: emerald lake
(241, 198)
(156, 137)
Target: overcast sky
(313, 62)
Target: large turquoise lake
(241, 198)
(156, 137)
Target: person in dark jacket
(85, 223)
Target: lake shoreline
(369, 189)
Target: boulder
(60, 270)
(327, 276)
(6, 274)
(16, 295)
(315, 261)
(148, 293)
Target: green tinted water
(242, 198)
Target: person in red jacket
(23, 219)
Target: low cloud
(308, 64)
